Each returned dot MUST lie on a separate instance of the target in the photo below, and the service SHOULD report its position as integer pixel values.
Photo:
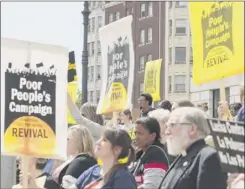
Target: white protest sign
(33, 99)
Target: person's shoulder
(83, 158)
(124, 176)
(208, 152)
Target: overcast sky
(57, 23)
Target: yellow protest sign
(217, 39)
(72, 90)
(152, 79)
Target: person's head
(126, 116)
(182, 103)
(115, 145)
(162, 117)
(166, 105)
(145, 100)
(185, 126)
(79, 140)
(147, 131)
(234, 108)
(88, 110)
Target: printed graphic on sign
(217, 30)
(118, 71)
(30, 97)
(217, 34)
(228, 138)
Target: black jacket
(199, 169)
(77, 166)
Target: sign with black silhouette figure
(217, 30)
(228, 138)
(117, 66)
(32, 103)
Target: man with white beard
(198, 165)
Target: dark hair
(148, 98)
(166, 105)
(185, 103)
(119, 137)
(41, 163)
(128, 113)
(237, 106)
(151, 125)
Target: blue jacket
(122, 179)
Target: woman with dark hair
(127, 122)
(151, 161)
(115, 153)
(166, 105)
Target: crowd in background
(167, 147)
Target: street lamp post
(85, 13)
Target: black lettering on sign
(217, 33)
(228, 138)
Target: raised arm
(95, 128)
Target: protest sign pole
(24, 169)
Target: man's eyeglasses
(177, 124)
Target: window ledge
(142, 44)
(149, 42)
(142, 18)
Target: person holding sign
(197, 165)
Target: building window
(98, 96)
(180, 4)
(92, 73)
(170, 25)
(98, 47)
(149, 32)
(149, 57)
(191, 56)
(149, 8)
(92, 96)
(92, 49)
(129, 11)
(93, 24)
(180, 83)
(170, 4)
(170, 55)
(98, 73)
(169, 83)
(142, 10)
(89, 25)
(180, 55)
(180, 27)
(142, 37)
(110, 18)
(117, 15)
(94, 4)
(99, 21)
(142, 64)
(141, 87)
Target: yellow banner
(72, 90)
(217, 39)
(152, 79)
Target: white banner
(33, 99)
(117, 66)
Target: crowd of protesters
(167, 147)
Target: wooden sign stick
(24, 169)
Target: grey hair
(194, 116)
(160, 115)
(89, 111)
(83, 138)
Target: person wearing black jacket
(198, 165)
